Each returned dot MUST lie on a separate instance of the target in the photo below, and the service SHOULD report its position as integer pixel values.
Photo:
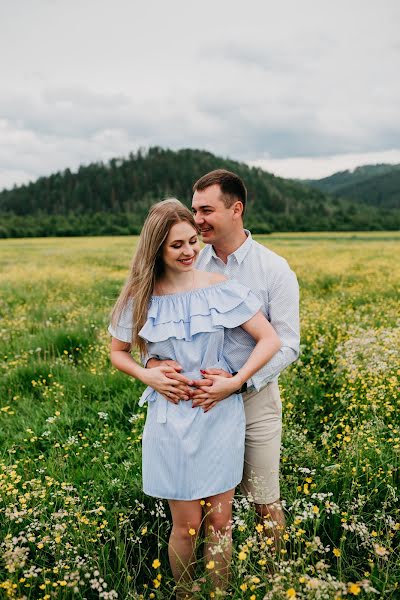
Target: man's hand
(216, 386)
(164, 377)
(156, 362)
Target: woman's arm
(157, 377)
(267, 344)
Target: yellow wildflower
(156, 563)
(354, 589)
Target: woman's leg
(218, 537)
(186, 522)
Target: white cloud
(254, 81)
(316, 168)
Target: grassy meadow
(74, 522)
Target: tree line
(113, 198)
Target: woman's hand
(214, 389)
(159, 378)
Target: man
(219, 202)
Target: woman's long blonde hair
(147, 264)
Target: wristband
(243, 389)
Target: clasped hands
(165, 377)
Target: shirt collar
(241, 252)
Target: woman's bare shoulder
(216, 278)
(205, 278)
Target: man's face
(211, 215)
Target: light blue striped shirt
(269, 276)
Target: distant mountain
(376, 185)
(114, 198)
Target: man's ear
(238, 209)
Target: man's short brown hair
(232, 187)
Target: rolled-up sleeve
(283, 313)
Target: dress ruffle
(225, 305)
(123, 329)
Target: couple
(208, 346)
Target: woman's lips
(187, 261)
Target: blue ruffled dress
(188, 454)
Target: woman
(191, 457)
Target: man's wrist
(243, 386)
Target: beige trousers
(263, 411)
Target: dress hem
(206, 495)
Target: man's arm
(283, 312)
(284, 317)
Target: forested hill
(376, 185)
(114, 198)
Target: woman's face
(181, 247)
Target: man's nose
(198, 218)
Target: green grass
(73, 517)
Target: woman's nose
(187, 250)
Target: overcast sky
(300, 87)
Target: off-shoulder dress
(188, 454)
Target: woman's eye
(194, 241)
